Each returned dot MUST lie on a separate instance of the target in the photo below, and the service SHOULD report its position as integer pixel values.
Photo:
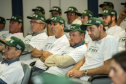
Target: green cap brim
(6, 43)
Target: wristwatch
(85, 72)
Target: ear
(19, 52)
(20, 25)
(101, 27)
(62, 26)
(113, 18)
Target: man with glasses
(38, 25)
(72, 18)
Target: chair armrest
(97, 77)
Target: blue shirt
(82, 43)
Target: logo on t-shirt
(93, 49)
(48, 46)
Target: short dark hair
(120, 58)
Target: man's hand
(74, 73)
(45, 55)
(36, 53)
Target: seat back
(27, 73)
(100, 79)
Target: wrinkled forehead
(91, 27)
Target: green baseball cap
(86, 13)
(39, 8)
(47, 78)
(107, 4)
(75, 27)
(37, 16)
(2, 20)
(16, 18)
(72, 9)
(95, 21)
(15, 42)
(108, 11)
(56, 19)
(56, 8)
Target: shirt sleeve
(110, 48)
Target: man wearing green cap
(72, 18)
(52, 44)
(55, 10)
(85, 15)
(68, 56)
(109, 17)
(106, 5)
(98, 54)
(11, 71)
(38, 36)
(3, 33)
(15, 29)
(40, 10)
(122, 17)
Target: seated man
(98, 54)
(66, 57)
(38, 36)
(52, 44)
(15, 29)
(11, 71)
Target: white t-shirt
(98, 52)
(123, 24)
(11, 74)
(33, 41)
(18, 35)
(77, 54)
(76, 21)
(122, 38)
(118, 33)
(52, 45)
(3, 34)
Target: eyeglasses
(31, 22)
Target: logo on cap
(89, 21)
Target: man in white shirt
(68, 56)
(98, 54)
(72, 18)
(52, 44)
(38, 36)
(11, 71)
(109, 17)
(15, 29)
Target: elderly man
(11, 71)
(99, 52)
(52, 44)
(38, 36)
